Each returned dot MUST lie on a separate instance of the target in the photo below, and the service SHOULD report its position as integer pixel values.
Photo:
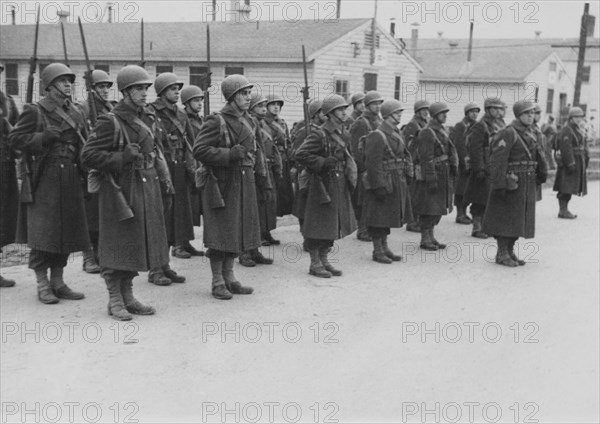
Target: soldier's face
(441, 117)
(242, 98)
(171, 93)
(260, 109)
(473, 114)
(340, 114)
(578, 120)
(63, 85)
(103, 90)
(196, 104)
(360, 106)
(495, 112)
(274, 108)
(537, 116)
(397, 117)
(375, 107)
(423, 113)
(527, 118)
(138, 94)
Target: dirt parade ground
(439, 337)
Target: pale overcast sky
(509, 19)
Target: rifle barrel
(33, 62)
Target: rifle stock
(64, 41)
(88, 77)
(305, 94)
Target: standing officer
(358, 107)
(549, 131)
(175, 130)
(510, 211)
(9, 189)
(410, 132)
(367, 122)
(281, 135)
(438, 167)
(458, 136)
(192, 97)
(123, 147)
(572, 158)
(328, 214)
(226, 146)
(270, 161)
(541, 147)
(478, 150)
(101, 84)
(50, 133)
(388, 166)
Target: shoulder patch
(502, 143)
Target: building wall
(590, 91)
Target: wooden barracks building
(343, 56)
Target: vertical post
(214, 15)
(470, 41)
(338, 10)
(374, 34)
(581, 56)
(142, 60)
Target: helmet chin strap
(58, 93)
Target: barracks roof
(265, 41)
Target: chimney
(537, 35)
(392, 28)
(338, 9)
(12, 15)
(440, 34)
(62, 15)
(109, 6)
(414, 39)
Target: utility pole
(581, 57)
(338, 8)
(374, 33)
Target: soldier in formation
(50, 135)
(358, 107)
(572, 158)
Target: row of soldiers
(331, 172)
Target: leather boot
(503, 256)
(116, 306)
(232, 284)
(179, 251)
(59, 288)
(378, 253)
(413, 227)
(269, 240)
(258, 258)
(323, 251)
(157, 277)
(363, 235)
(461, 216)
(316, 267)
(45, 294)
(426, 238)
(219, 291)
(477, 232)
(172, 275)
(511, 252)
(388, 252)
(90, 265)
(246, 260)
(434, 240)
(6, 283)
(133, 305)
(192, 250)
(305, 246)
(563, 211)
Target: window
(341, 88)
(230, 70)
(552, 66)
(585, 74)
(370, 82)
(163, 68)
(550, 101)
(369, 40)
(198, 76)
(397, 82)
(12, 79)
(105, 68)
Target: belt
(399, 164)
(146, 163)
(523, 166)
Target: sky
(492, 19)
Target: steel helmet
(275, 98)
(421, 104)
(190, 92)
(165, 80)
(333, 102)
(132, 75)
(356, 98)
(100, 77)
(53, 71)
(437, 108)
(314, 107)
(471, 106)
(575, 112)
(522, 106)
(537, 108)
(256, 99)
(372, 97)
(234, 83)
(493, 102)
(390, 106)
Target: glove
(50, 135)
(541, 177)
(131, 152)
(480, 175)
(432, 186)
(330, 163)
(237, 152)
(294, 173)
(380, 194)
(570, 169)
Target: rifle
(26, 195)
(208, 81)
(88, 77)
(305, 94)
(62, 30)
(142, 61)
